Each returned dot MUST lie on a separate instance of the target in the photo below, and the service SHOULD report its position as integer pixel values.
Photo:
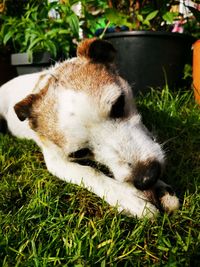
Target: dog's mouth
(81, 154)
(85, 157)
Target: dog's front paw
(166, 197)
(131, 202)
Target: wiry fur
(83, 104)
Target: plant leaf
(151, 15)
(116, 17)
(8, 36)
(169, 17)
(140, 18)
(34, 42)
(51, 47)
(73, 23)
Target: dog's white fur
(72, 112)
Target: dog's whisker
(169, 140)
(54, 76)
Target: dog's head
(86, 107)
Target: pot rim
(149, 33)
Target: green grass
(46, 222)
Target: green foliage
(27, 26)
(46, 222)
(34, 30)
(92, 18)
(169, 17)
(153, 15)
(145, 15)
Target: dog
(81, 109)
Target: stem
(137, 8)
(110, 4)
(107, 25)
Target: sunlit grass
(46, 222)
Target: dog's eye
(117, 110)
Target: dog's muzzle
(146, 174)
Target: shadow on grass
(176, 124)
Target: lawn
(46, 222)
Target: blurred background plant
(151, 15)
(56, 26)
(192, 17)
(142, 15)
(29, 26)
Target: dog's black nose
(146, 174)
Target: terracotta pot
(196, 70)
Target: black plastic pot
(29, 63)
(151, 59)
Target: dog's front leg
(123, 195)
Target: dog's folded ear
(97, 50)
(24, 107)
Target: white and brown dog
(83, 108)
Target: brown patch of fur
(43, 118)
(97, 50)
(91, 77)
(86, 76)
(24, 107)
(83, 48)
